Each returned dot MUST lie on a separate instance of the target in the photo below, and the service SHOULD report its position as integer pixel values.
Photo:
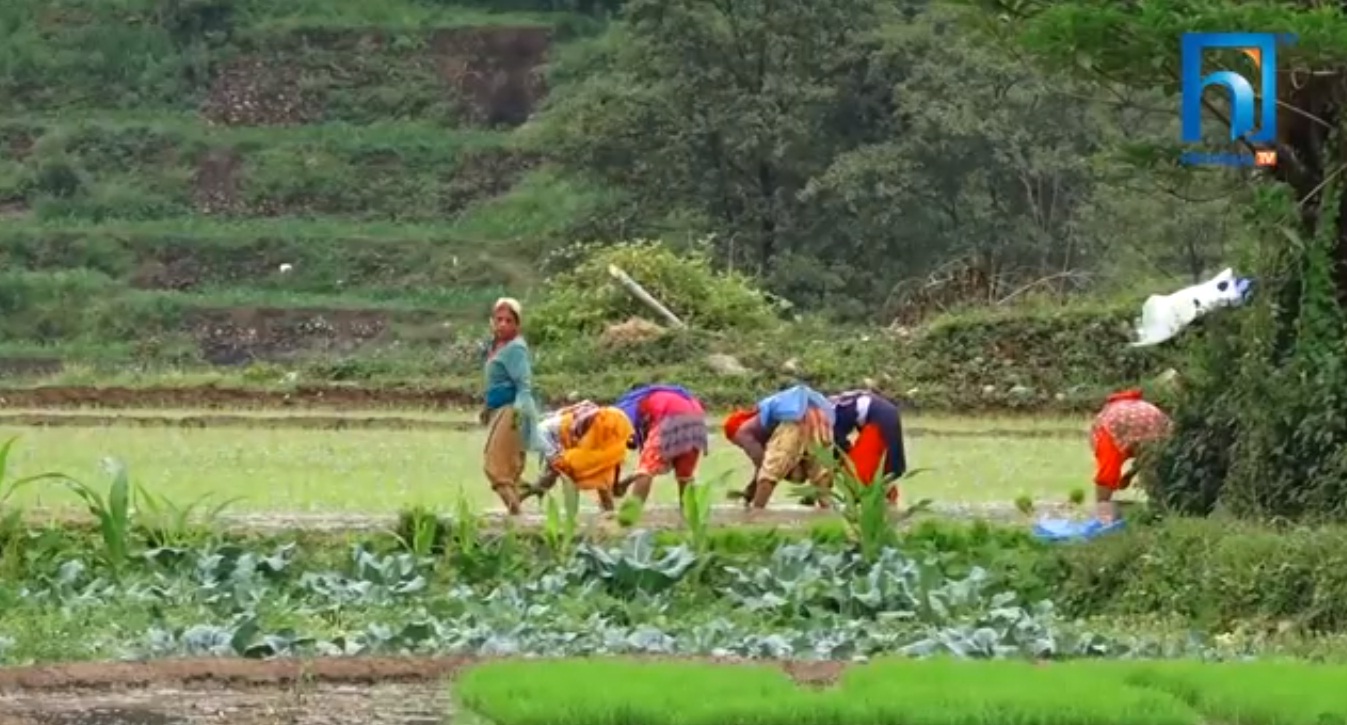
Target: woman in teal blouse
(510, 413)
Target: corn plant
(166, 524)
(113, 512)
(863, 507)
(696, 505)
(560, 522)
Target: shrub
(586, 299)
(1260, 428)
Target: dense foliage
(1260, 427)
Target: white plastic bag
(1164, 316)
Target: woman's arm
(520, 370)
(747, 439)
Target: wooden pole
(639, 293)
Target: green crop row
(906, 692)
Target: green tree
(725, 108)
(1261, 426)
(986, 162)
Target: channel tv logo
(1261, 48)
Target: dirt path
(335, 691)
(367, 422)
(656, 517)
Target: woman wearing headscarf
(783, 435)
(1125, 425)
(878, 430)
(670, 433)
(510, 412)
(587, 444)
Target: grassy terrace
(143, 203)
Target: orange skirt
(867, 453)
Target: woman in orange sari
(587, 444)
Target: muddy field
(377, 691)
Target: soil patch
(490, 75)
(351, 422)
(247, 673)
(256, 90)
(780, 515)
(329, 397)
(317, 703)
(215, 185)
(30, 366)
(239, 336)
(496, 70)
(335, 691)
(484, 175)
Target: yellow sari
(594, 459)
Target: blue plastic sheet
(1244, 287)
(1070, 530)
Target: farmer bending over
(1125, 424)
(586, 443)
(878, 429)
(782, 435)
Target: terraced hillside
(203, 181)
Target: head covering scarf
(510, 304)
(630, 402)
(737, 420)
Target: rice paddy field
(377, 462)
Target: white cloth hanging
(1165, 316)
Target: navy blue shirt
(878, 410)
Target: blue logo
(1262, 49)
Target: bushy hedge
(586, 299)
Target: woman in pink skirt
(670, 434)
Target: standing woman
(670, 434)
(510, 413)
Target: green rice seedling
(1024, 504)
(1272, 692)
(968, 692)
(631, 692)
(629, 512)
(887, 692)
